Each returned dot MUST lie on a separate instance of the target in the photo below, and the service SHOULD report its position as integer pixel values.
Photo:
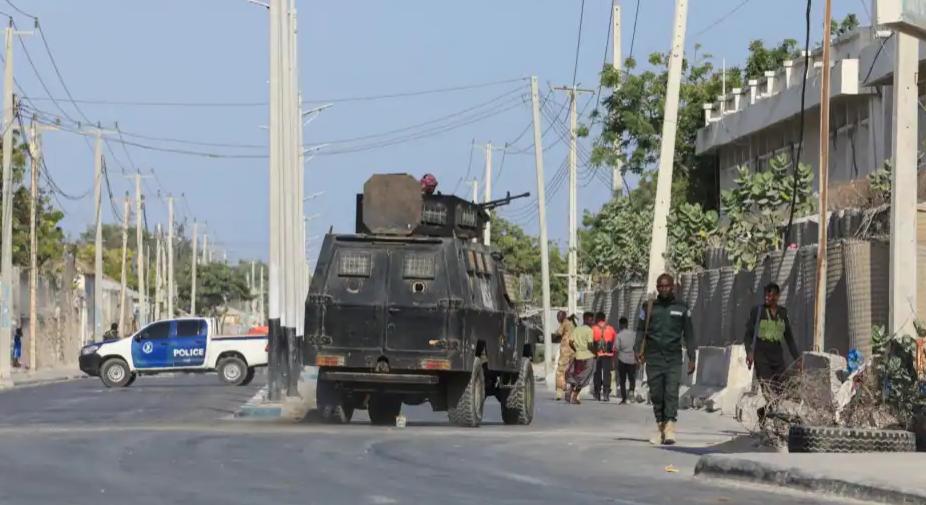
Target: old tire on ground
(115, 373)
(830, 439)
(384, 409)
(518, 403)
(232, 371)
(248, 377)
(466, 397)
(331, 403)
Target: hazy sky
(215, 51)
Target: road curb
(730, 467)
(26, 382)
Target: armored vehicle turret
(414, 308)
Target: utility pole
(903, 187)
(193, 273)
(205, 249)
(158, 275)
(122, 277)
(573, 255)
(544, 245)
(260, 300)
(33, 239)
(819, 315)
(475, 184)
(657, 260)
(98, 274)
(170, 256)
(6, 256)
(252, 287)
(487, 196)
(276, 162)
(617, 61)
(140, 247)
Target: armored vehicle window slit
(355, 264)
(434, 213)
(419, 266)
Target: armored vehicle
(414, 308)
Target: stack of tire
(848, 440)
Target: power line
(721, 19)
(795, 160)
(449, 89)
(17, 9)
(469, 167)
(575, 69)
(633, 36)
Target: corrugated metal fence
(720, 298)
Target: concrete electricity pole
(260, 300)
(819, 315)
(6, 257)
(122, 277)
(544, 244)
(573, 254)
(35, 155)
(205, 259)
(193, 273)
(657, 260)
(487, 195)
(903, 274)
(475, 185)
(158, 275)
(98, 274)
(617, 61)
(140, 247)
(170, 256)
(275, 287)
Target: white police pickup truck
(185, 344)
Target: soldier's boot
(669, 437)
(657, 439)
(568, 394)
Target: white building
(747, 127)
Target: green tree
(217, 285)
(49, 236)
(522, 256)
(758, 206)
(762, 59)
(840, 28)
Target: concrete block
(722, 379)
(820, 382)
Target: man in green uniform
(664, 323)
(767, 328)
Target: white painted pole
(617, 61)
(98, 275)
(33, 240)
(170, 257)
(903, 193)
(140, 253)
(123, 276)
(544, 240)
(193, 272)
(487, 195)
(657, 261)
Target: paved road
(165, 440)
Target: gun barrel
(503, 201)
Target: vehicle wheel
(249, 377)
(845, 440)
(132, 379)
(232, 371)
(384, 409)
(518, 404)
(115, 373)
(331, 403)
(467, 397)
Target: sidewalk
(23, 377)
(883, 477)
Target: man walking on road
(583, 364)
(626, 359)
(604, 335)
(767, 327)
(664, 324)
(566, 327)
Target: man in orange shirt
(604, 336)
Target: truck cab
(183, 344)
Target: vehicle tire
(115, 373)
(248, 377)
(518, 404)
(384, 409)
(332, 405)
(467, 397)
(132, 379)
(232, 371)
(848, 440)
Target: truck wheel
(384, 409)
(331, 403)
(232, 371)
(115, 373)
(248, 377)
(848, 440)
(466, 397)
(132, 379)
(518, 404)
